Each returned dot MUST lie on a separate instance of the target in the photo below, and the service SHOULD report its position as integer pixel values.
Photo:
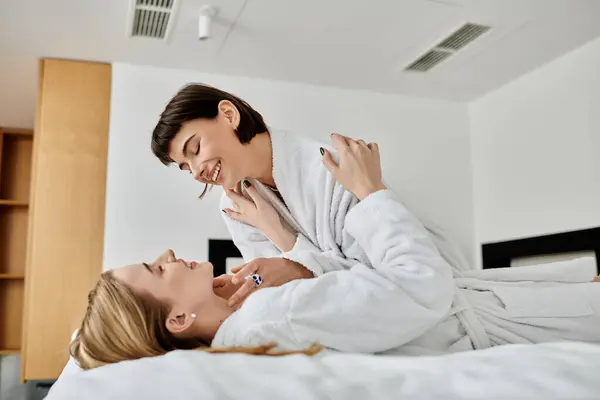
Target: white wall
(536, 151)
(149, 207)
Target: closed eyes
(189, 170)
(160, 268)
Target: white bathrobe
(382, 284)
(315, 206)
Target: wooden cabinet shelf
(12, 276)
(16, 131)
(15, 176)
(8, 352)
(16, 203)
(11, 314)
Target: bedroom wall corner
(535, 146)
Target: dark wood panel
(499, 254)
(219, 250)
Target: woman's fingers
(234, 196)
(235, 270)
(253, 193)
(221, 280)
(244, 271)
(234, 214)
(237, 198)
(329, 162)
(238, 188)
(241, 294)
(350, 142)
(340, 142)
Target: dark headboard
(219, 250)
(495, 255)
(500, 254)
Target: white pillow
(550, 258)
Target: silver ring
(258, 280)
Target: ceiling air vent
(447, 47)
(152, 18)
(428, 61)
(463, 36)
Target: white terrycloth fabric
(406, 301)
(316, 206)
(351, 310)
(551, 371)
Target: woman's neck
(210, 319)
(260, 159)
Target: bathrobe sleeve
(317, 261)
(407, 292)
(252, 243)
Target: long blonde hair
(120, 324)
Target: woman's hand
(273, 271)
(359, 169)
(223, 287)
(259, 213)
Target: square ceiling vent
(448, 47)
(151, 19)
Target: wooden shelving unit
(12, 276)
(14, 203)
(15, 177)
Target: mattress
(543, 371)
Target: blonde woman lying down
(406, 301)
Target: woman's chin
(209, 268)
(207, 272)
(230, 185)
(202, 267)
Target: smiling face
(215, 135)
(186, 287)
(210, 149)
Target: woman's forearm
(283, 239)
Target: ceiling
(342, 43)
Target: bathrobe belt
(470, 322)
(465, 313)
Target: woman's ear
(230, 112)
(179, 322)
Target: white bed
(545, 371)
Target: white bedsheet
(544, 371)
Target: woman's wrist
(283, 239)
(365, 192)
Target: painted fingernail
(322, 151)
(247, 184)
